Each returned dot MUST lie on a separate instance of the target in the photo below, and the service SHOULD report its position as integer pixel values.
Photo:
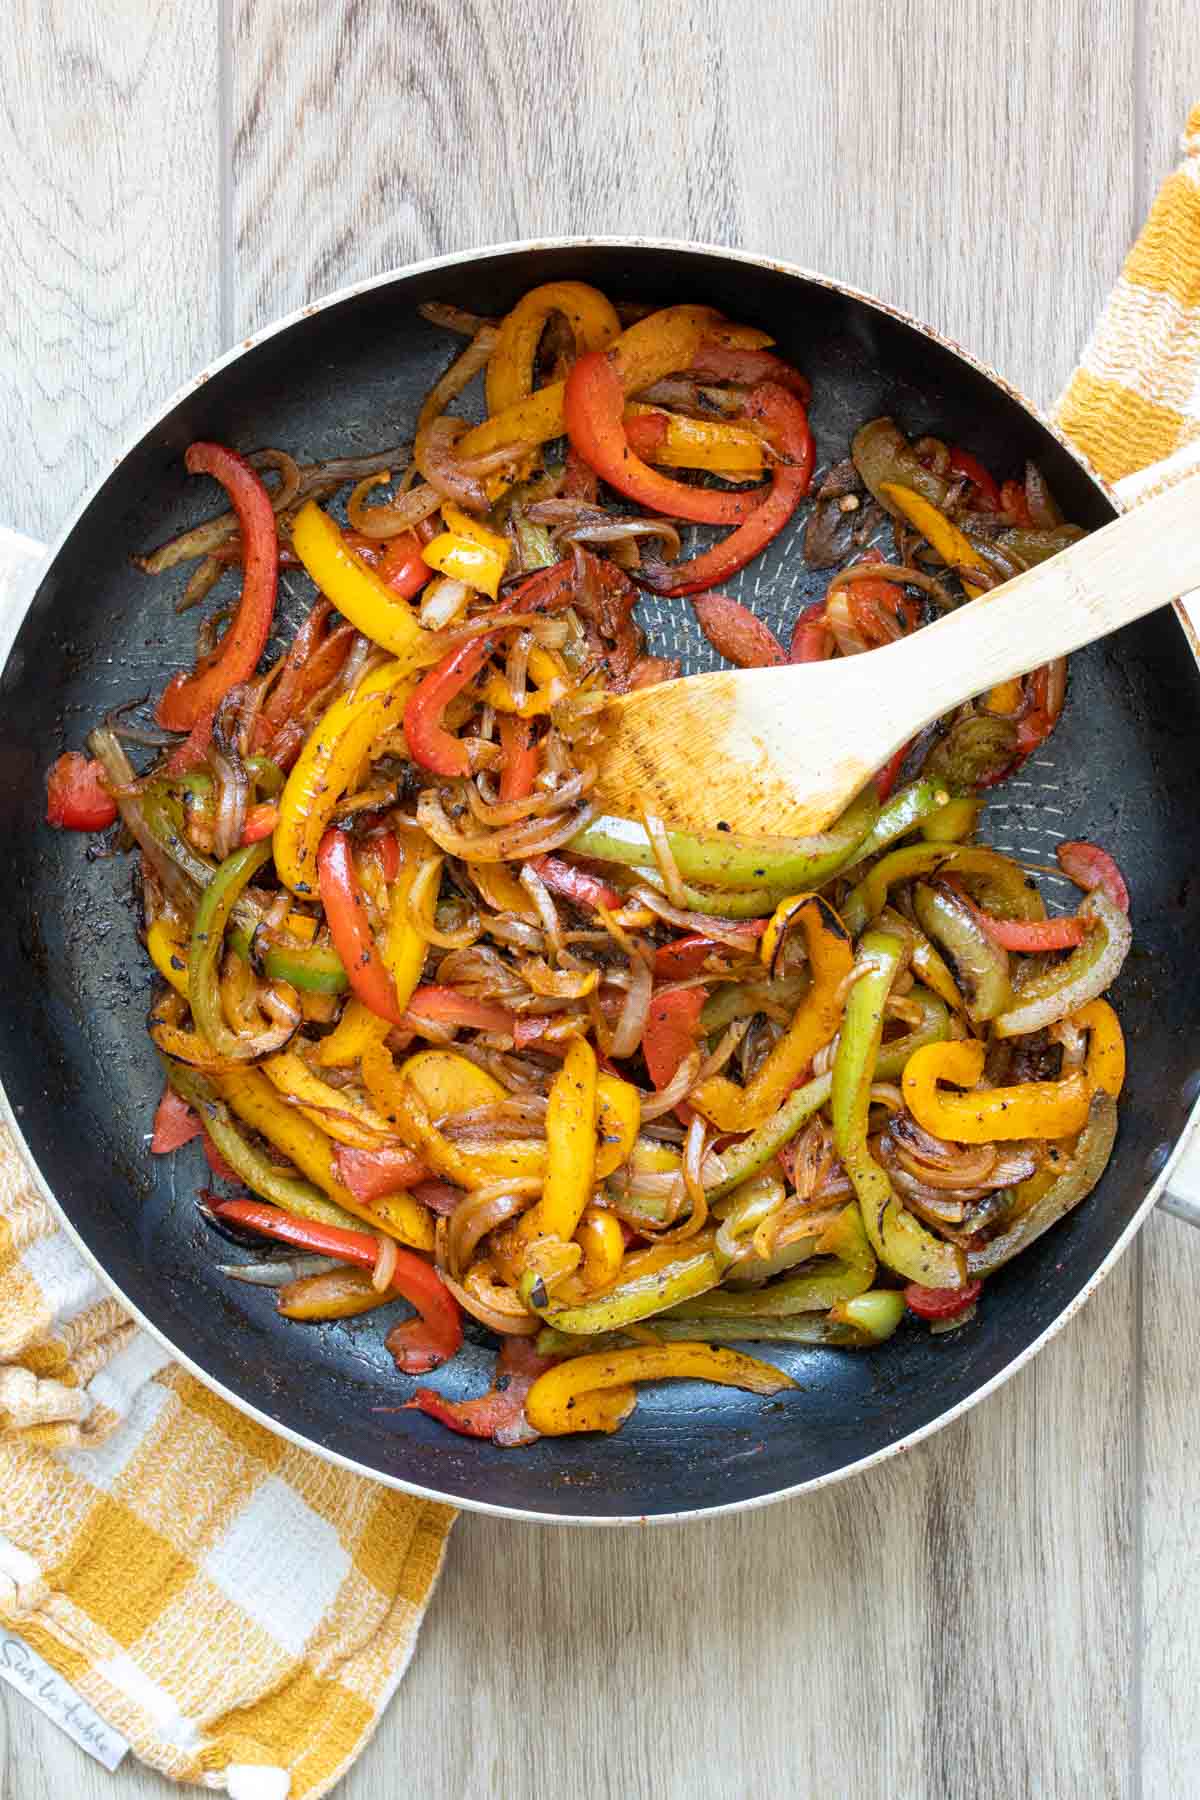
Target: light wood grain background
(1014, 1608)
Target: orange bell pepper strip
(593, 405)
(1029, 1109)
(600, 1237)
(553, 1405)
(591, 316)
(831, 958)
(187, 697)
(1104, 1064)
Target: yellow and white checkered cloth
(233, 1605)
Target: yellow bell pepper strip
(1104, 1064)
(674, 441)
(359, 594)
(721, 1174)
(1092, 1151)
(328, 764)
(814, 1288)
(404, 949)
(407, 1113)
(654, 347)
(830, 958)
(167, 942)
(1090, 968)
(467, 551)
(251, 1165)
(357, 1027)
(897, 1237)
(570, 1144)
(1030, 1109)
(551, 686)
(254, 1100)
(337, 1113)
(337, 1294)
(618, 1116)
(950, 543)
(589, 313)
(980, 964)
(552, 1405)
(449, 1083)
(725, 860)
(651, 1281)
(933, 1028)
(1010, 892)
(602, 1241)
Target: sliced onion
(386, 1258)
(533, 838)
(442, 602)
(677, 1089)
(631, 1026)
(719, 929)
(504, 1324)
(482, 1211)
(434, 456)
(1096, 971)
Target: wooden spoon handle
(1141, 561)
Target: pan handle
(21, 564)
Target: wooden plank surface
(968, 1620)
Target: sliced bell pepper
(204, 956)
(577, 885)
(954, 548)
(357, 1027)
(449, 1083)
(1088, 866)
(413, 1278)
(510, 370)
(1006, 882)
(601, 1237)
(552, 1406)
(358, 591)
(831, 958)
(76, 797)
(1033, 934)
(816, 1287)
(674, 441)
(1030, 1109)
(345, 910)
(1104, 1064)
(618, 1117)
(175, 1124)
(1085, 974)
(467, 551)
(337, 1113)
(187, 697)
(370, 1173)
(518, 771)
(785, 423)
(745, 364)
(949, 919)
(736, 633)
(962, 462)
(671, 1030)
(812, 638)
(593, 408)
(260, 822)
(650, 1282)
(447, 1006)
(328, 764)
(738, 1162)
(570, 1145)
(1083, 1171)
(499, 1414)
(404, 1109)
(940, 1303)
(897, 1237)
(337, 1294)
(402, 567)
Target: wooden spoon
(783, 751)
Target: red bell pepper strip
(714, 362)
(687, 955)
(577, 885)
(403, 567)
(440, 1322)
(193, 752)
(787, 422)
(76, 797)
(260, 822)
(446, 1006)
(1014, 502)
(345, 909)
(579, 482)
(175, 1124)
(384, 848)
(518, 772)
(441, 1197)
(429, 743)
(236, 656)
(671, 1029)
(1033, 934)
(593, 405)
(812, 639)
(889, 775)
(736, 633)
(369, 1174)
(311, 662)
(940, 1303)
(500, 1413)
(219, 1168)
(1088, 866)
(963, 463)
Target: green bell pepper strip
(980, 964)
(848, 1271)
(933, 1028)
(640, 1295)
(857, 1324)
(204, 957)
(1090, 968)
(314, 968)
(1010, 892)
(265, 1177)
(897, 1237)
(882, 455)
(741, 999)
(906, 809)
(725, 861)
(723, 1173)
(875, 1314)
(953, 823)
(1092, 1151)
(977, 749)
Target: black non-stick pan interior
(81, 1074)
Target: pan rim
(458, 259)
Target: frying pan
(82, 1078)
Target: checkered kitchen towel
(241, 1611)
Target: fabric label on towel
(32, 1676)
